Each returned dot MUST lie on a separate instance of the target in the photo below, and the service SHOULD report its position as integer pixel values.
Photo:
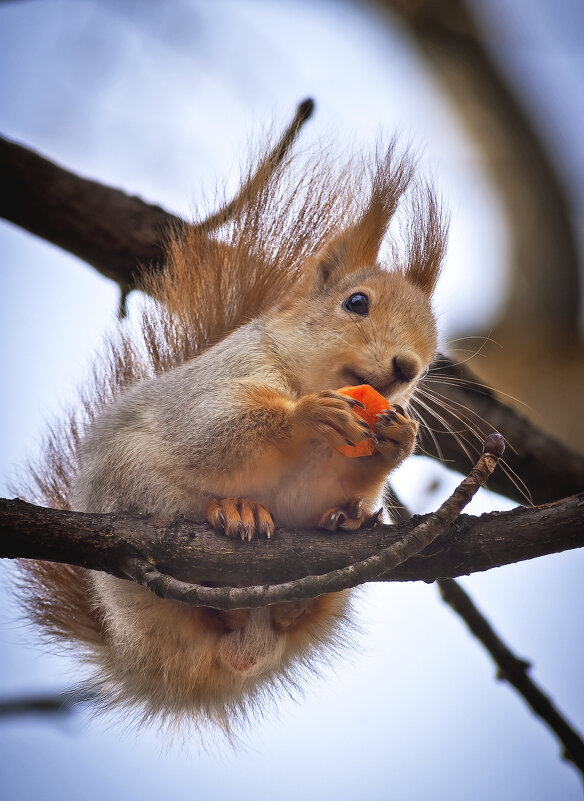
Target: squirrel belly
(226, 410)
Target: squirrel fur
(221, 406)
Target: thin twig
(416, 540)
(514, 670)
(58, 704)
(510, 667)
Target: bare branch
(63, 703)
(511, 668)
(113, 232)
(192, 552)
(515, 671)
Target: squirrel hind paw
(239, 517)
(348, 517)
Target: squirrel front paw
(236, 516)
(396, 435)
(329, 415)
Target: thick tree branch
(194, 553)
(113, 232)
(368, 569)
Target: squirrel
(221, 405)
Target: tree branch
(192, 552)
(511, 668)
(113, 232)
(63, 703)
(515, 671)
(422, 535)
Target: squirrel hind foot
(349, 517)
(239, 517)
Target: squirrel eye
(358, 304)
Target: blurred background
(161, 99)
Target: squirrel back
(222, 405)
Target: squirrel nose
(405, 367)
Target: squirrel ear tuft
(427, 240)
(358, 245)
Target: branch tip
(494, 444)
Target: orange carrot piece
(374, 404)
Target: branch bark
(416, 540)
(112, 231)
(192, 552)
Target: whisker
(473, 354)
(457, 435)
(464, 339)
(465, 419)
(447, 404)
(417, 414)
(517, 481)
(476, 386)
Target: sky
(161, 99)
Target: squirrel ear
(358, 245)
(331, 263)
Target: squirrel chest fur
(232, 417)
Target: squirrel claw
(373, 520)
(353, 402)
(239, 517)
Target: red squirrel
(221, 405)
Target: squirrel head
(351, 321)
